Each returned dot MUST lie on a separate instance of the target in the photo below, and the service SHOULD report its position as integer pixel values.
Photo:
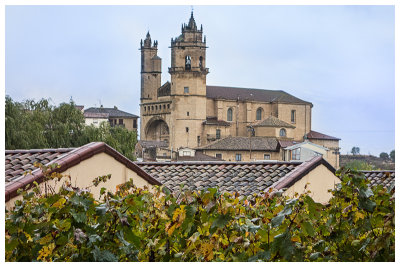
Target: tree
(38, 124)
(384, 156)
(359, 165)
(355, 150)
(392, 155)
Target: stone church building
(229, 123)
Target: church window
(282, 133)
(218, 134)
(267, 156)
(159, 107)
(200, 62)
(293, 116)
(187, 113)
(186, 90)
(188, 63)
(187, 129)
(238, 157)
(168, 106)
(156, 107)
(144, 108)
(134, 123)
(218, 156)
(164, 106)
(152, 107)
(229, 114)
(259, 114)
(121, 121)
(198, 140)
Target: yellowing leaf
(59, 203)
(46, 239)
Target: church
(226, 123)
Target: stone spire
(192, 23)
(147, 41)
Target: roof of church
(317, 135)
(240, 143)
(112, 112)
(272, 121)
(215, 121)
(246, 178)
(233, 93)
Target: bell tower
(150, 70)
(188, 84)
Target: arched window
(188, 63)
(259, 114)
(229, 114)
(200, 62)
(282, 132)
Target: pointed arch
(259, 113)
(229, 114)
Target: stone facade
(188, 113)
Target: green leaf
(277, 220)
(315, 256)
(221, 221)
(367, 204)
(308, 228)
(366, 192)
(101, 209)
(103, 255)
(131, 237)
(79, 217)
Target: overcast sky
(340, 58)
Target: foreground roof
(20, 162)
(317, 135)
(235, 93)
(112, 112)
(240, 143)
(385, 178)
(246, 178)
(272, 121)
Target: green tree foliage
(359, 165)
(355, 150)
(154, 225)
(392, 157)
(40, 125)
(384, 156)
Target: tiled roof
(112, 112)
(240, 143)
(233, 93)
(215, 121)
(246, 178)
(148, 144)
(96, 115)
(286, 143)
(384, 178)
(198, 156)
(20, 161)
(272, 121)
(317, 135)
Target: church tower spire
(150, 69)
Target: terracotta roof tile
(18, 162)
(317, 135)
(244, 177)
(385, 178)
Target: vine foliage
(152, 224)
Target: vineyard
(152, 224)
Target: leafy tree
(392, 157)
(384, 156)
(33, 124)
(355, 150)
(134, 224)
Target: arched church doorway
(157, 130)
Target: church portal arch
(157, 130)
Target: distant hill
(376, 162)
